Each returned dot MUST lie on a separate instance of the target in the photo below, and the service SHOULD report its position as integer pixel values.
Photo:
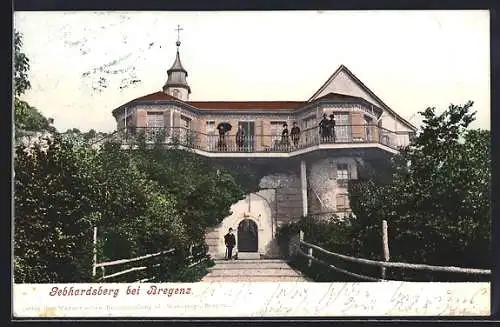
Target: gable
(345, 82)
(342, 83)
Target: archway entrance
(248, 236)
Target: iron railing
(230, 142)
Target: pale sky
(410, 59)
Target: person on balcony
(285, 142)
(221, 144)
(295, 134)
(331, 127)
(240, 138)
(324, 129)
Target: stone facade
(279, 201)
(327, 190)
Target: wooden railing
(229, 142)
(148, 264)
(297, 243)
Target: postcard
(251, 164)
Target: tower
(176, 84)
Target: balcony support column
(303, 184)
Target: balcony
(345, 136)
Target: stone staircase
(263, 270)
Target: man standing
(324, 131)
(295, 134)
(331, 125)
(230, 242)
(240, 138)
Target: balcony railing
(344, 134)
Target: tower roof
(177, 66)
(177, 74)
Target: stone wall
(259, 207)
(288, 195)
(324, 189)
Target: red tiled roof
(157, 96)
(249, 105)
(230, 105)
(244, 105)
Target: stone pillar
(303, 184)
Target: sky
(85, 64)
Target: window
(155, 119)
(275, 130)
(185, 122)
(342, 128)
(277, 127)
(210, 127)
(211, 134)
(342, 202)
(155, 123)
(343, 172)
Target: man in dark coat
(240, 138)
(284, 137)
(331, 126)
(295, 134)
(230, 242)
(323, 128)
(221, 144)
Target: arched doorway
(248, 236)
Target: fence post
(95, 253)
(310, 253)
(385, 246)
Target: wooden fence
(147, 264)
(297, 243)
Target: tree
(438, 202)
(26, 117)
(203, 194)
(55, 206)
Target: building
(305, 177)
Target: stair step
(254, 272)
(243, 279)
(251, 261)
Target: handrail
(199, 256)
(233, 132)
(368, 278)
(400, 264)
(230, 142)
(122, 261)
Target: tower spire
(178, 43)
(176, 84)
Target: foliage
(26, 117)
(54, 212)
(203, 194)
(332, 234)
(21, 67)
(142, 201)
(438, 202)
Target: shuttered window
(343, 172)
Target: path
(264, 270)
